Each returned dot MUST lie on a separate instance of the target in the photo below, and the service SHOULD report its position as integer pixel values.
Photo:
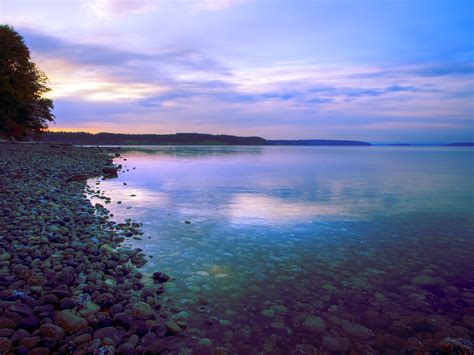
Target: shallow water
(377, 242)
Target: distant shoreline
(83, 138)
(190, 139)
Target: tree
(24, 111)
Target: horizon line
(268, 139)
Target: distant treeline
(316, 142)
(84, 138)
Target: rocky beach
(66, 285)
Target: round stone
(314, 324)
(278, 325)
(205, 342)
(336, 344)
(268, 313)
(142, 310)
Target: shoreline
(65, 284)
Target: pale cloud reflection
(135, 197)
(262, 209)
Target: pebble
(142, 310)
(357, 330)
(205, 343)
(70, 322)
(268, 313)
(314, 324)
(278, 325)
(424, 280)
(336, 344)
(172, 327)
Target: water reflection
(191, 151)
(260, 209)
(371, 241)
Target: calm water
(292, 249)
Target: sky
(374, 70)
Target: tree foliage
(149, 139)
(24, 111)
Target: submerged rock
(172, 327)
(336, 344)
(70, 322)
(314, 324)
(205, 342)
(357, 330)
(142, 310)
(160, 277)
(424, 280)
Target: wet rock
(5, 345)
(116, 335)
(278, 325)
(143, 310)
(6, 323)
(82, 339)
(314, 324)
(70, 322)
(133, 340)
(279, 309)
(139, 328)
(160, 277)
(357, 330)
(269, 313)
(205, 343)
(104, 322)
(123, 320)
(424, 280)
(125, 349)
(172, 327)
(110, 171)
(183, 315)
(29, 323)
(104, 350)
(225, 322)
(18, 335)
(90, 308)
(67, 303)
(148, 339)
(336, 344)
(37, 290)
(52, 331)
(30, 342)
(5, 256)
(6, 333)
